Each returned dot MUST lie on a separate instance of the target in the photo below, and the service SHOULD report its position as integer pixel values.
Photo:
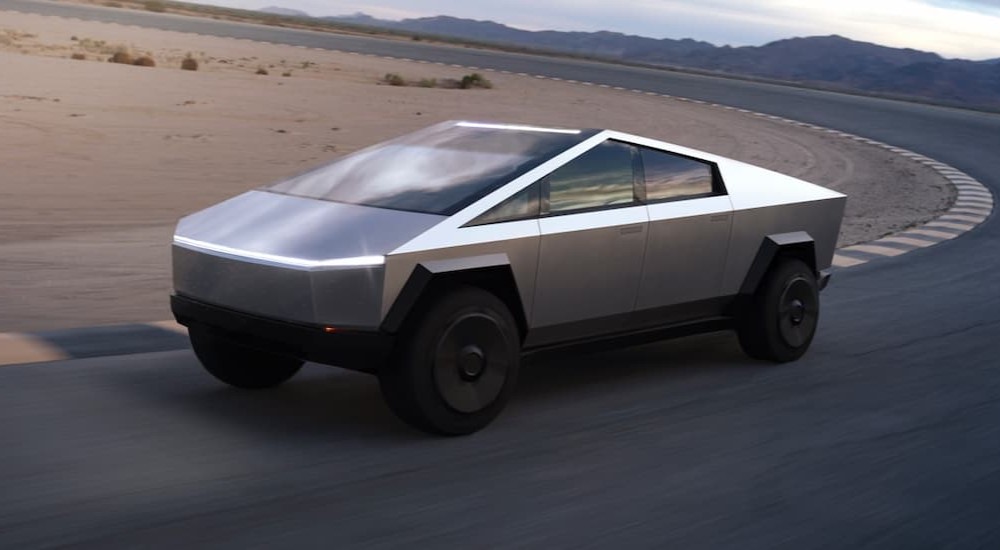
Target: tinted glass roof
(438, 170)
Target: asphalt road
(887, 435)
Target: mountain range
(825, 61)
(287, 12)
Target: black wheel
(239, 365)
(781, 321)
(455, 365)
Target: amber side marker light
(329, 330)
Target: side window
(600, 177)
(523, 205)
(672, 177)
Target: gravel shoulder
(100, 159)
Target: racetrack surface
(887, 434)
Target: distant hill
(288, 12)
(832, 61)
(602, 43)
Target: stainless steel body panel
(294, 259)
(686, 251)
(262, 289)
(307, 229)
(589, 265)
(347, 297)
(518, 241)
(820, 219)
(755, 187)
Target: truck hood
(271, 228)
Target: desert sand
(99, 160)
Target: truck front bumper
(356, 350)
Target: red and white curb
(972, 206)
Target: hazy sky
(953, 28)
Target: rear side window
(522, 206)
(598, 178)
(670, 176)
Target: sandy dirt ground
(99, 160)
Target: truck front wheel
(239, 365)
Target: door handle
(719, 218)
(629, 229)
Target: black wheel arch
(798, 245)
(429, 280)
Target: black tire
(239, 365)
(783, 314)
(455, 364)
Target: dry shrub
(98, 46)
(78, 56)
(155, 5)
(10, 37)
(262, 71)
(286, 73)
(189, 63)
(144, 61)
(122, 57)
(474, 80)
(394, 79)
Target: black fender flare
(797, 244)
(492, 272)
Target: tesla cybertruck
(438, 259)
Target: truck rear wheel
(783, 314)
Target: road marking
(907, 240)
(950, 225)
(172, 326)
(23, 348)
(931, 233)
(982, 201)
(875, 249)
(844, 261)
(980, 211)
(949, 217)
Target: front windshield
(437, 170)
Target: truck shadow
(331, 404)
(661, 362)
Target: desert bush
(189, 63)
(262, 71)
(393, 79)
(121, 56)
(155, 5)
(91, 44)
(10, 37)
(474, 80)
(428, 83)
(286, 73)
(100, 47)
(113, 4)
(144, 61)
(78, 56)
